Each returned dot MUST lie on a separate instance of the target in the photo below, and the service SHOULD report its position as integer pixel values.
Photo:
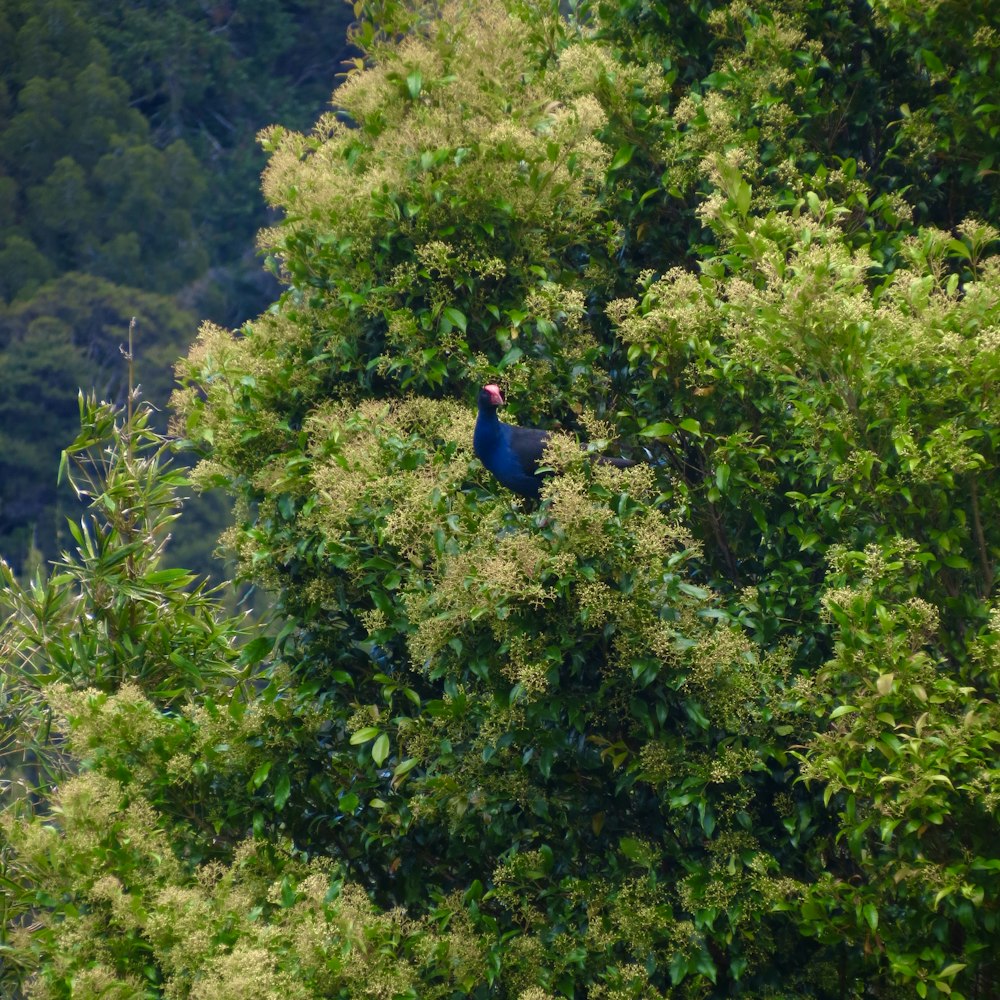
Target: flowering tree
(723, 723)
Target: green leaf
(282, 790)
(956, 562)
(404, 767)
(511, 357)
(842, 710)
(622, 157)
(931, 61)
(943, 894)
(380, 749)
(634, 850)
(454, 317)
(364, 735)
(658, 430)
(261, 773)
(255, 650)
(161, 576)
(742, 199)
(958, 248)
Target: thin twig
(131, 368)
(977, 527)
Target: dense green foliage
(722, 724)
(128, 186)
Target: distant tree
(212, 75)
(41, 369)
(88, 187)
(23, 267)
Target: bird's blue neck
(488, 424)
(488, 431)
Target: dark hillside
(129, 185)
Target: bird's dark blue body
(514, 454)
(511, 453)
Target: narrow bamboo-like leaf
(161, 576)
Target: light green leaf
(658, 430)
(742, 199)
(404, 767)
(380, 749)
(842, 710)
(622, 157)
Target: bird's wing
(528, 445)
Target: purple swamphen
(513, 454)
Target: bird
(513, 454)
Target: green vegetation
(722, 724)
(128, 186)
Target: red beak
(496, 396)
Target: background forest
(722, 724)
(129, 186)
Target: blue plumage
(511, 453)
(514, 454)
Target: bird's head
(490, 395)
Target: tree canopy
(724, 723)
